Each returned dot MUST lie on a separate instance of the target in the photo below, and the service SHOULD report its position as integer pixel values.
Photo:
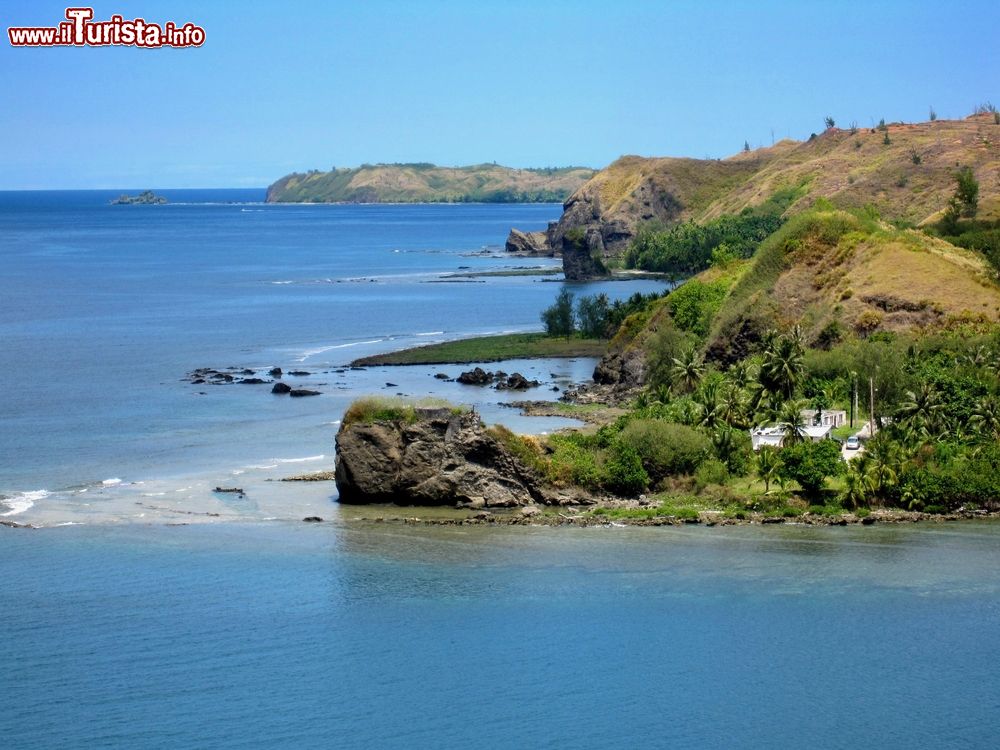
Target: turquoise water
(106, 308)
(361, 636)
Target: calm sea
(106, 308)
(375, 636)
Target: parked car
(852, 443)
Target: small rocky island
(145, 198)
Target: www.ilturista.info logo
(79, 30)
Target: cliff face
(905, 171)
(440, 459)
(427, 183)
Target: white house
(833, 418)
(761, 436)
(775, 436)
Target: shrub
(665, 448)
(558, 319)
(967, 191)
(810, 464)
(694, 304)
(575, 461)
(522, 447)
(624, 473)
(709, 472)
(375, 409)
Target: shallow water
(106, 308)
(360, 636)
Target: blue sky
(285, 86)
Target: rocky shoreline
(535, 516)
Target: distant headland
(428, 183)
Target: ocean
(367, 636)
(106, 309)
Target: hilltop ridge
(905, 171)
(428, 183)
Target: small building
(774, 436)
(834, 418)
(818, 432)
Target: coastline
(535, 516)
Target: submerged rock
(516, 382)
(300, 392)
(478, 376)
(440, 459)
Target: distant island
(145, 198)
(427, 183)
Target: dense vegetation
(592, 316)
(688, 248)
(935, 393)
(937, 416)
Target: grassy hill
(427, 183)
(834, 273)
(905, 171)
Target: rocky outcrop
(442, 458)
(528, 243)
(504, 382)
(583, 254)
(476, 376)
(626, 368)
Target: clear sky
(289, 86)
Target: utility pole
(854, 396)
(871, 412)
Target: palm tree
(791, 421)
(986, 416)
(920, 406)
(686, 370)
(783, 365)
(981, 356)
(768, 464)
(734, 407)
(724, 442)
(860, 485)
(741, 374)
(707, 399)
(885, 464)
(661, 394)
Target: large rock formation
(442, 458)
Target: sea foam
(21, 502)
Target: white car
(852, 443)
